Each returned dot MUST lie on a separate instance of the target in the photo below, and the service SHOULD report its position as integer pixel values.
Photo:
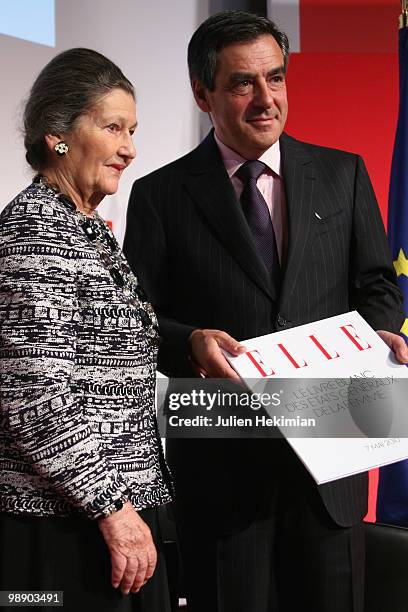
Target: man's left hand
(396, 344)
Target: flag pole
(403, 18)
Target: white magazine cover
(340, 388)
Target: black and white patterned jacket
(77, 422)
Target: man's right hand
(206, 354)
(130, 543)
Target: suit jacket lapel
(299, 181)
(208, 183)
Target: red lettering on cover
(255, 358)
(352, 335)
(291, 359)
(322, 349)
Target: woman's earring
(61, 148)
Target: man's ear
(201, 96)
(51, 140)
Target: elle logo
(296, 361)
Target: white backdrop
(148, 40)
(286, 14)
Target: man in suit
(255, 232)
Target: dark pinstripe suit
(188, 241)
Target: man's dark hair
(221, 30)
(66, 87)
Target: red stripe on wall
(372, 496)
(362, 26)
(349, 102)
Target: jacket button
(281, 321)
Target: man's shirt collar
(233, 160)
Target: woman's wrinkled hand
(133, 553)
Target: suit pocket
(329, 222)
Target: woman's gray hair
(66, 87)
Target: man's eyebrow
(276, 71)
(246, 76)
(241, 76)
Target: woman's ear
(51, 140)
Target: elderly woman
(81, 466)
